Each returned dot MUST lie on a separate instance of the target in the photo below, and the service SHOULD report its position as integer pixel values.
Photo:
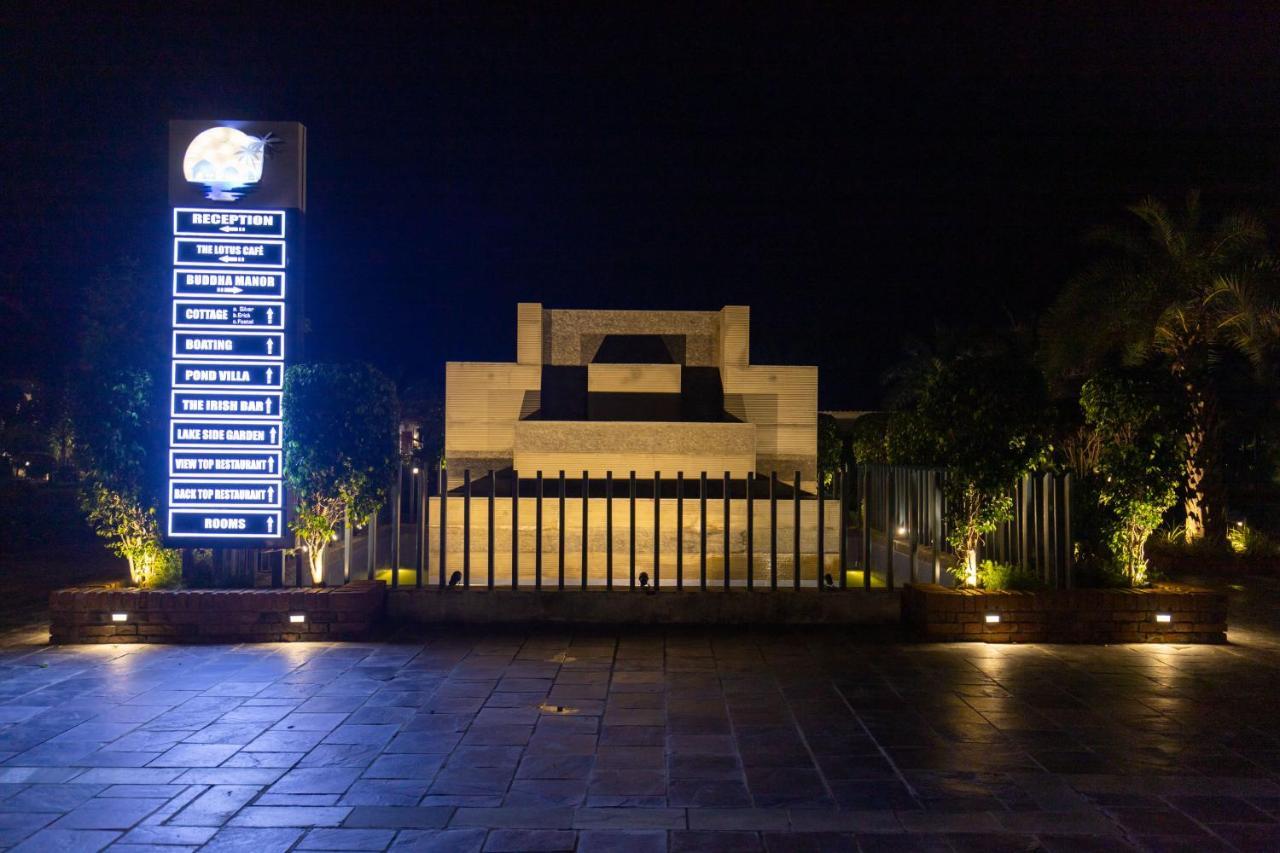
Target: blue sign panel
(215, 434)
(226, 524)
(196, 221)
(224, 493)
(257, 345)
(228, 463)
(211, 404)
(227, 374)
(222, 314)
(211, 251)
(223, 284)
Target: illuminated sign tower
(237, 193)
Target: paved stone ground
(639, 740)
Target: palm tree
(1180, 292)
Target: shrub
(998, 576)
(1250, 542)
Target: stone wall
(1067, 616)
(84, 614)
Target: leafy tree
(868, 438)
(341, 428)
(1180, 292)
(117, 419)
(830, 449)
(981, 416)
(1136, 464)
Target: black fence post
(702, 533)
(842, 491)
(890, 522)
(657, 528)
(466, 528)
(444, 523)
(751, 532)
(938, 536)
(346, 544)
(493, 499)
(679, 530)
(515, 529)
(560, 584)
(396, 500)
(608, 529)
(371, 544)
(1068, 544)
(728, 555)
(773, 531)
(586, 494)
(795, 532)
(820, 573)
(631, 497)
(537, 532)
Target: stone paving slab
(639, 739)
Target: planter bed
(91, 614)
(940, 613)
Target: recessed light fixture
(1164, 617)
(297, 617)
(902, 531)
(993, 618)
(119, 617)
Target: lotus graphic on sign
(226, 161)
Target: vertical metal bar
(657, 528)
(913, 516)
(795, 531)
(679, 530)
(842, 492)
(936, 506)
(346, 543)
(890, 521)
(773, 531)
(426, 526)
(515, 529)
(728, 556)
(1068, 543)
(444, 522)
(537, 532)
(865, 512)
(586, 494)
(371, 544)
(608, 529)
(422, 480)
(751, 531)
(396, 497)
(1023, 506)
(1044, 525)
(466, 528)
(822, 529)
(560, 584)
(702, 533)
(493, 499)
(631, 496)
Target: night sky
(854, 175)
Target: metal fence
(875, 526)
(508, 530)
(902, 511)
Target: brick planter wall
(1067, 615)
(83, 615)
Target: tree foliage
(1178, 291)
(117, 419)
(341, 429)
(1135, 469)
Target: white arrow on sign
(271, 464)
(268, 405)
(273, 435)
(271, 313)
(271, 493)
(230, 259)
(270, 372)
(271, 346)
(230, 228)
(271, 524)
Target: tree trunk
(315, 557)
(1203, 500)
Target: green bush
(1250, 542)
(997, 576)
